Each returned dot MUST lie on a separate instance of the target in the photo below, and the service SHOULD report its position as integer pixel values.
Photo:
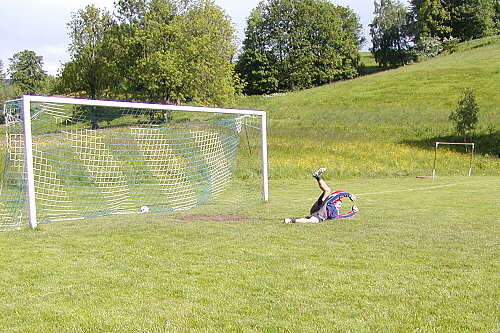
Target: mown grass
(421, 255)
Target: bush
(428, 47)
(465, 115)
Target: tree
(465, 116)
(88, 71)
(391, 34)
(175, 52)
(26, 72)
(2, 74)
(154, 51)
(496, 17)
(471, 19)
(204, 48)
(7, 90)
(462, 19)
(432, 19)
(297, 44)
(3, 92)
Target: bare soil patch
(215, 218)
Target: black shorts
(318, 210)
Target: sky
(41, 25)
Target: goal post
(71, 158)
(438, 143)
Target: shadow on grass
(485, 144)
(373, 69)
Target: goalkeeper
(328, 204)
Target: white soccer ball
(144, 209)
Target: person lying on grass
(328, 204)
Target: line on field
(428, 187)
(425, 188)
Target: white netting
(96, 160)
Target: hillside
(386, 124)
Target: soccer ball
(144, 209)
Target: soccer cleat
(355, 209)
(318, 172)
(352, 197)
(288, 220)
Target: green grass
(386, 124)
(421, 255)
(368, 65)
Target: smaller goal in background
(473, 145)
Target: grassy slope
(382, 124)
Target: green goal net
(69, 158)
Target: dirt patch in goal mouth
(216, 218)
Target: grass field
(386, 124)
(420, 256)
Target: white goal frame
(27, 100)
(473, 145)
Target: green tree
(175, 51)
(2, 73)
(4, 89)
(465, 116)
(297, 44)
(432, 19)
(496, 17)
(2, 85)
(7, 90)
(471, 19)
(462, 19)
(391, 33)
(88, 71)
(26, 72)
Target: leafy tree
(259, 72)
(391, 34)
(26, 72)
(3, 89)
(432, 19)
(496, 17)
(296, 44)
(153, 51)
(174, 51)
(88, 71)
(7, 90)
(465, 116)
(206, 45)
(462, 19)
(471, 19)
(2, 74)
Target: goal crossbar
(453, 143)
(29, 159)
(138, 105)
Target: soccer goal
(70, 158)
(438, 143)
